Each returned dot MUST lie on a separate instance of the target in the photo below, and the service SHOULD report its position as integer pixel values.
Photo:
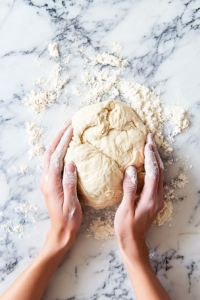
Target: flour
(38, 101)
(76, 91)
(34, 133)
(39, 81)
(169, 197)
(48, 93)
(19, 229)
(165, 214)
(102, 81)
(116, 48)
(67, 59)
(178, 117)
(28, 210)
(85, 75)
(101, 229)
(53, 50)
(180, 181)
(108, 59)
(24, 169)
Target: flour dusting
(101, 229)
(102, 78)
(53, 50)
(34, 133)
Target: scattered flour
(116, 48)
(53, 50)
(34, 133)
(67, 59)
(7, 227)
(180, 181)
(48, 93)
(19, 229)
(108, 59)
(101, 229)
(28, 210)
(101, 81)
(165, 214)
(178, 117)
(76, 91)
(39, 81)
(85, 75)
(24, 169)
(25, 208)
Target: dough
(108, 137)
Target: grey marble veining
(161, 43)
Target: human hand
(134, 217)
(58, 187)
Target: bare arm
(65, 214)
(133, 219)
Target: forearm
(30, 285)
(144, 281)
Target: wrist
(58, 243)
(134, 253)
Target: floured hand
(58, 187)
(134, 217)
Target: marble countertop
(161, 42)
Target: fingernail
(150, 147)
(131, 178)
(150, 139)
(130, 171)
(70, 177)
(70, 168)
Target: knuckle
(130, 186)
(130, 190)
(152, 206)
(69, 185)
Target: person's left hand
(58, 187)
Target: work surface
(161, 42)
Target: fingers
(69, 188)
(130, 185)
(57, 158)
(54, 143)
(152, 171)
(150, 140)
(147, 202)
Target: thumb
(69, 188)
(130, 184)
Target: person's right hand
(134, 217)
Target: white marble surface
(161, 42)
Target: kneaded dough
(108, 137)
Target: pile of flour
(102, 78)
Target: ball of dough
(108, 137)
